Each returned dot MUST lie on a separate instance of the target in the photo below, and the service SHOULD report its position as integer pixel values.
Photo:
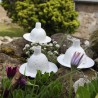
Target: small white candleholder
(65, 59)
(37, 35)
(38, 61)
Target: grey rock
(94, 42)
(62, 40)
(96, 60)
(80, 82)
(14, 48)
(66, 43)
(8, 60)
(89, 52)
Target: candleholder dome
(37, 61)
(37, 35)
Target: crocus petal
(11, 71)
(75, 56)
(76, 61)
(22, 82)
(80, 59)
(14, 70)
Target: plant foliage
(43, 86)
(55, 15)
(89, 90)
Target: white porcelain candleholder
(65, 59)
(37, 35)
(38, 61)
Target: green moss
(7, 50)
(11, 30)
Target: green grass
(11, 30)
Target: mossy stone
(7, 49)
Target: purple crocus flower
(76, 58)
(22, 82)
(11, 71)
(6, 93)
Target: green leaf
(95, 83)
(96, 96)
(89, 90)
(82, 92)
(6, 83)
(28, 96)
(18, 93)
(52, 90)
